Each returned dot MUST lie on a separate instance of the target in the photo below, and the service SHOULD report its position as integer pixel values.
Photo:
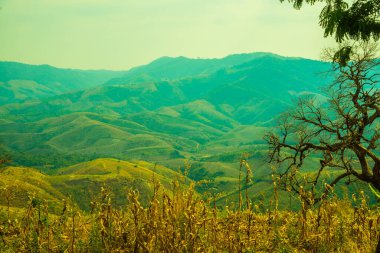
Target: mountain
(19, 82)
(266, 85)
(169, 68)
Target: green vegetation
(81, 182)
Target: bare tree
(327, 139)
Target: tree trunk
(363, 164)
(378, 246)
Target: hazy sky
(119, 34)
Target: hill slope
(82, 182)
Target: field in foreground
(181, 221)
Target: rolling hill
(81, 183)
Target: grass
(18, 184)
(111, 205)
(183, 221)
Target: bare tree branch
(342, 132)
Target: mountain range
(172, 111)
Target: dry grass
(180, 221)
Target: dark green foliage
(357, 20)
(48, 160)
(342, 56)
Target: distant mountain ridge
(171, 68)
(20, 81)
(252, 79)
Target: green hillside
(22, 184)
(81, 183)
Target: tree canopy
(357, 20)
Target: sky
(120, 34)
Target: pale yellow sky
(119, 34)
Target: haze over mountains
(207, 111)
